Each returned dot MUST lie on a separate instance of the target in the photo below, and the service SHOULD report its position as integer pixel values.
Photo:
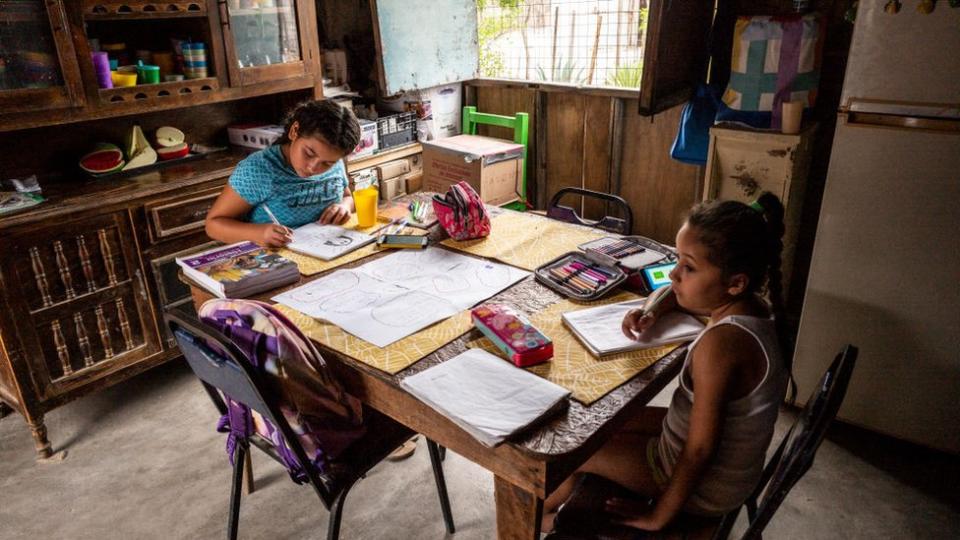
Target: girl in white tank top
(707, 455)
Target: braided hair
(747, 239)
(324, 119)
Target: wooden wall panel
(659, 189)
(597, 148)
(578, 153)
(565, 142)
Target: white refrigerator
(885, 271)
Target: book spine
(220, 254)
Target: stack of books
(239, 270)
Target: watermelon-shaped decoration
(107, 158)
(173, 152)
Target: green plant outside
(626, 76)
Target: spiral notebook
(598, 328)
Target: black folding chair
(609, 223)
(231, 374)
(582, 517)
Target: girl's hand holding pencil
(274, 235)
(637, 321)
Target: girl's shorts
(655, 464)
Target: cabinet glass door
(38, 65)
(264, 41)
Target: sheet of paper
(397, 295)
(488, 397)
(327, 241)
(600, 327)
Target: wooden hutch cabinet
(86, 275)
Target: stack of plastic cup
(101, 66)
(194, 60)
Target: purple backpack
(324, 416)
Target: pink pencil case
(513, 334)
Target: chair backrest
(221, 366)
(519, 123)
(613, 224)
(795, 454)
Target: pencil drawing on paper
(395, 296)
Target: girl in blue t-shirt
(300, 179)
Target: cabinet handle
(140, 284)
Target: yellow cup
(123, 79)
(366, 202)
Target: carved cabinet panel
(83, 308)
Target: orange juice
(366, 202)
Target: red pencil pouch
(513, 334)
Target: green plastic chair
(520, 124)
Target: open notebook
(488, 397)
(599, 328)
(327, 242)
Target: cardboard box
(392, 188)
(369, 142)
(254, 135)
(493, 167)
(395, 168)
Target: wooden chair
(520, 124)
(231, 374)
(582, 517)
(609, 223)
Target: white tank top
(747, 426)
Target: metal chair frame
(608, 223)
(231, 374)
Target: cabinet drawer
(171, 218)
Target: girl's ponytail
(772, 210)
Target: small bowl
(121, 79)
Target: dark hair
(747, 239)
(335, 124)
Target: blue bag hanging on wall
(693, 135)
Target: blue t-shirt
(265, 177)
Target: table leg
(518, 511)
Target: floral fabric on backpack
(461, 213)
(325, 418)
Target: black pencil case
(583, 283)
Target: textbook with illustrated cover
(239, 270)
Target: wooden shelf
(127, 10)
(159, 91)
(261, 11)
(11, 12)
(389, 154)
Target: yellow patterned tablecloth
(526, 241)
(392, 358)
(573, 367)
(311, 265)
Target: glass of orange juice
(366, 202)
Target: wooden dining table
(528, 466)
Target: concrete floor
(145, 462)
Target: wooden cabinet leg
(40, 441)
(518, 511)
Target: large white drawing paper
(486, 396)
(394, 296)
(327, 241)
(599, 328)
